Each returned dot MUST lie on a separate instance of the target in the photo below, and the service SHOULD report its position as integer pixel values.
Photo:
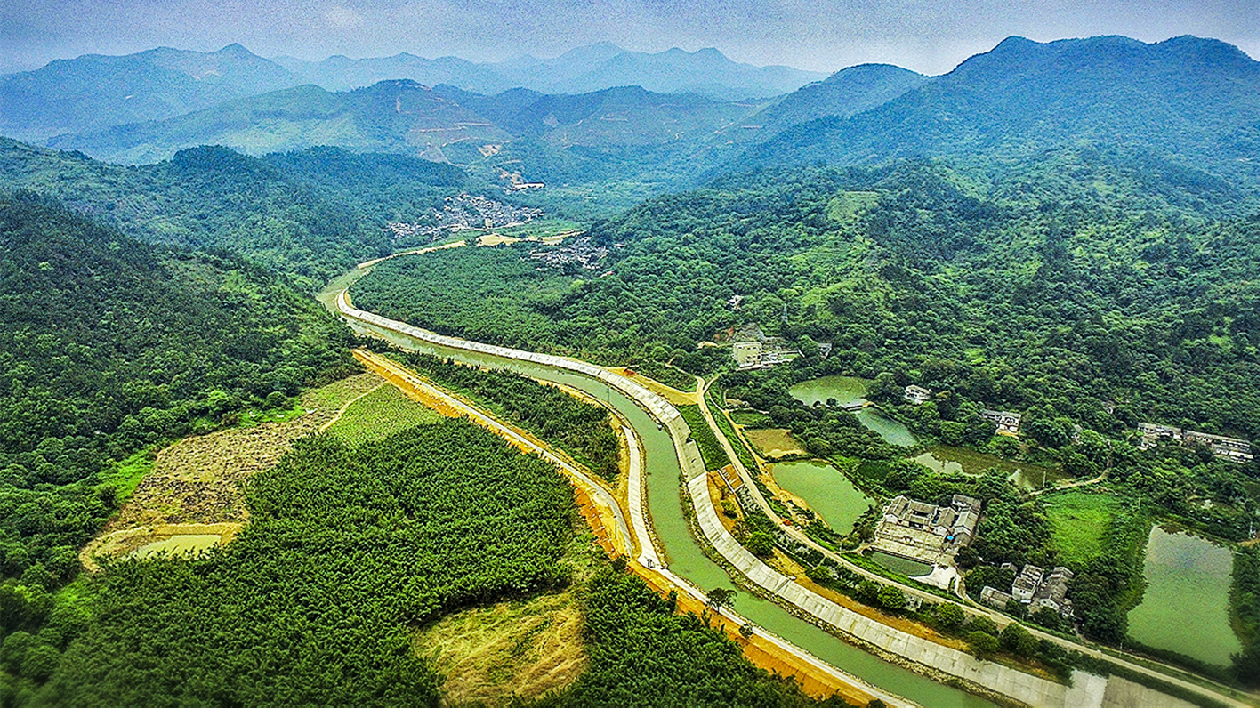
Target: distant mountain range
(1188, 103)
(93, 92)
(1191, 99)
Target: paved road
(653, 402)
(1000, 619)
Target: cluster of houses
(752, 349)
(1006, 422)
(1035, 588)
(1233, 449)
(460, 212)
(581, 252)
(927, 532)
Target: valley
(631, 378)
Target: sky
(928, 36)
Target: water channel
(1186, 604)
(685, 558)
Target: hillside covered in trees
(308, 215)
(108, 345)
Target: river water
(685, 558)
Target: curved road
(648, 557)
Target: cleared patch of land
(194, 486)
(379, 414)
(1077, 524)
(516, 650)
(775, 443)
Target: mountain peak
(236, 50)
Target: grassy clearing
(126, 475)
(514, 650)
(1078, 522)
(380, 414)
(752, 419)
(710, 449)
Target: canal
(683, 553)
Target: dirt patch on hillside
(199, 480)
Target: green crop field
(380, 414)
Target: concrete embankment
(1086, 691)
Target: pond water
(827, 491)
(897, 564)
(1024, 475)
(848, 390)
(1186, 604)
(845, 389)
(684, 554)
(178, 545)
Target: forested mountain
(108, 345)
(94, 91)
(950, 277)
(1196, 101)
(405, 117)
(845, 93)
(310, 214)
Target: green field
(380, 414)
(710, 449)
(1077, 523)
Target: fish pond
(848, 391)
(1185, 608)
(825, 489)
(1024, 475)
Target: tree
(892, 599)
(1017, 640)
(721, 597)
(983, 644)
(949, 616)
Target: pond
(897, 564)
(1185, 608)
(849, 390)
(1024, 475)
(178, 545)
(825, 489)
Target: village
(460, 213)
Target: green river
(684, 555)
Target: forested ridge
(1059, 285)
(309, 215)
(108, 345)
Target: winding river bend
(683, 553)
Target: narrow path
(1000, 619)
(988, 674)
(346, 406)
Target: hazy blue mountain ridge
(95, 91)
(1193, 100)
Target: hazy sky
(929, 36)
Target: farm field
(379, 414)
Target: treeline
(107, 346)
(309, 215)
(582, 429)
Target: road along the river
(943, 661)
